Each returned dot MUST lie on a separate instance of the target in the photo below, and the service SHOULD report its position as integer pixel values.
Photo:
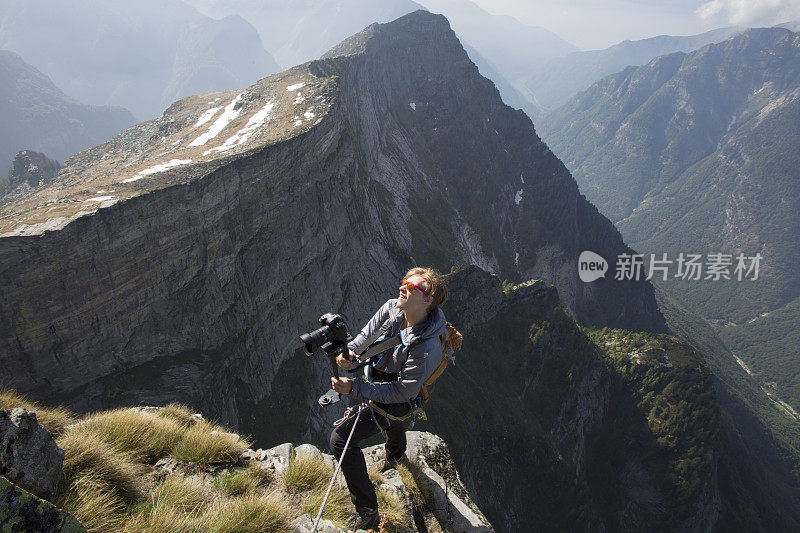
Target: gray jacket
(413, 366)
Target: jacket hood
(433, 326)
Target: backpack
(451, 343)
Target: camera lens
(315, 339)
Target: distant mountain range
(504, 49)
(38, 116)
(140, 55)
(699, 153)
(555, 82)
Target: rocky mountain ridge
(283, 162)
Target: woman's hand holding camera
(344, 362)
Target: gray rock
(167, 463)
(305, 524)
(278, 458)
(29, 457)
(24, 512)
(307, 449)
(451, 511)
(33, 168)
(452, 505)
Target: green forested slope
(759, 468)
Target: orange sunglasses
(410, 287)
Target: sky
(594, 24)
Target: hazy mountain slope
(140, 55)
(793, 25)
(554, 83)
(295, 32)
(507, 91)
(514, 48)
(768, 345)
(37, 115)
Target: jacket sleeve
(381, 316)
(409, 381)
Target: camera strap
(368, 348)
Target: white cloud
(750, 12)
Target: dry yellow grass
(306, 472)
(86, 454)
(163, 519)
(376, 476)
(181, 493)
(143, 434)
(416, 484)
(337, 509)
(206, 444)
(178, 412)
(251, 513)
(98, 507)
(242, 481)
(395, 517)
(54, 419)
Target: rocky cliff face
(565, 428)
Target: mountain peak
(414, 30)
(402, 32)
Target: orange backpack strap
(451, 343)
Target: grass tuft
(337, 510)
(179, 413)
(143, 434)
(306, 472)
(376, 476)
(163, 519)
(242, 481)
(86, 454)
(416, 484)
(181, 493)
(55, 420)
(96, 506)
(251, 513)
(207, 444)
(394, 515)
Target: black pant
(354, 467)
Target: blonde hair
(436, 286)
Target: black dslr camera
(331, 338)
